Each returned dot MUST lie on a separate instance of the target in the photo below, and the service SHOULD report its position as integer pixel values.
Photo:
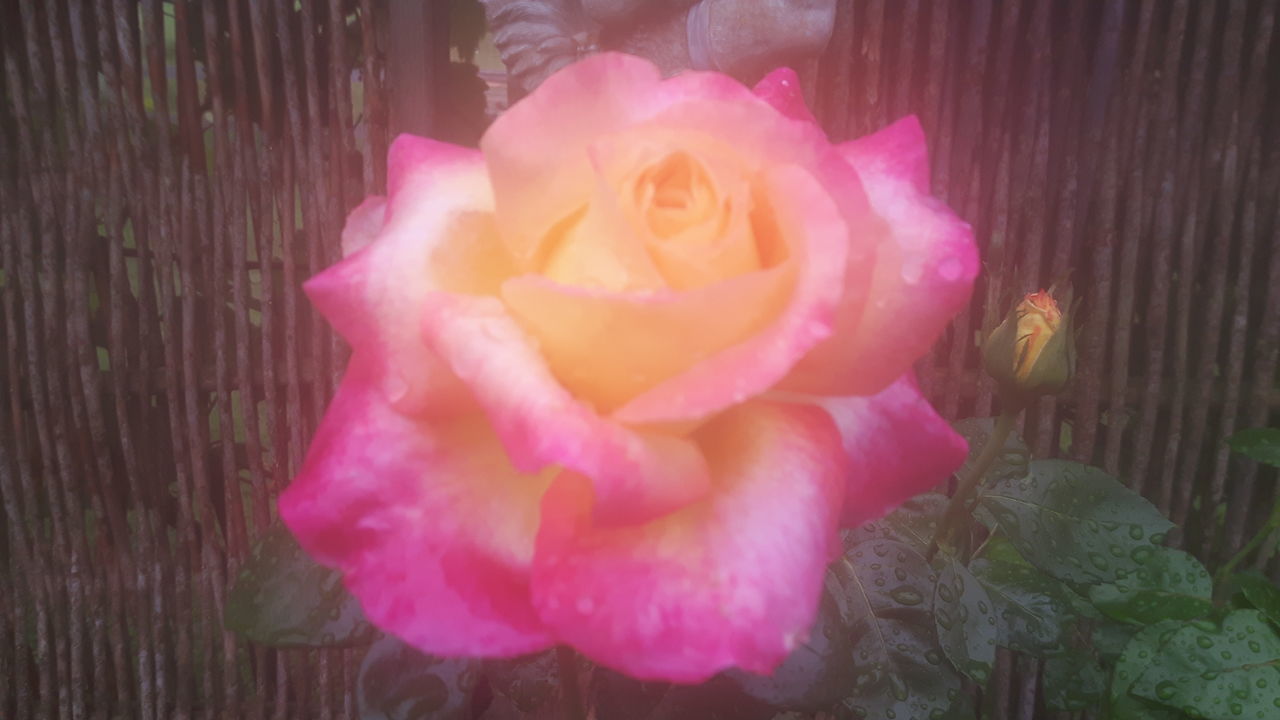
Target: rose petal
(430, 524)
(373, 297)
(363, 224)
(607, 348)
(819, 244)
(600, 249)
(542, 141)
(923, 275)
(781, 89)
(731, 581)
(638, 475)
(898, 152)
(898, 445)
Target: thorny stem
(1273, 524)
(570, 692)
(959, 504)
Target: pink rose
(620, 375)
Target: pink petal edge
(373, 297)
(431, 528)
(732, 581)
(923, 274)
(781, 88)
(363, 224)
(898, 446)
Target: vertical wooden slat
(1217, 202)
(1162, 165)
(1191, 126)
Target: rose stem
(1273, 523)
(570, 693)
(959, 502)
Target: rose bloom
(619, 376)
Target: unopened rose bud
(1032, 352)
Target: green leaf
(1032, 609)
(399, 683)
(1169, 585)
(615, 696)
(998, 548)
(717, 699)
(1011, 463)
(965, 618)
(529, 682)
(284, 598)
(1137, 655)
(1073, 681)
(1220, 673)
(914, 523)
(1109, 639)
(816, 674)
(899, 670)
(1261, 444)
(1260, 593)
(1075, 522)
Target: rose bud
(1032, 352)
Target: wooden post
(417, 63)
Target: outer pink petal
(431, 526)
(363, 224)
(924, 271)
(638, 475)
(898, 446)
(373, 297)
(731, 581)
(820, 244)
(899, 152)
(781, 89)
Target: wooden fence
(171, 170)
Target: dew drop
(944, 592)
(906, 596)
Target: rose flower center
(673, 255)
(674, 195)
